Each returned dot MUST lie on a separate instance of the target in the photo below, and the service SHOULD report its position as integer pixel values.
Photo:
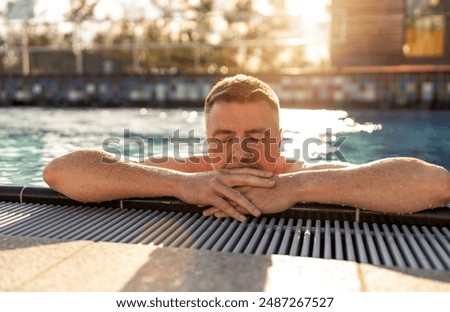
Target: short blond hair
(241, 88)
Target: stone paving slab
(375, 278)
(98, 267)
(24, 258)
(170, 269)
(34, 264)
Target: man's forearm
(390, 185)
(93, 176)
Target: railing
(415, 87)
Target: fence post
(25, 50)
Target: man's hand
(217, 188)
(273, 200)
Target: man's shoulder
(291, 165)
(287, 165)
(320, 165)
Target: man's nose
(240, 152)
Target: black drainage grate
(378, 243)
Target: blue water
(31, 137)
(421, 134)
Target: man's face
(243, 135)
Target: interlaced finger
(236, 196)
(250, 171)
(247, 180)
(225, 207)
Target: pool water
(31, 137)
(421, 134)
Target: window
(425, 28)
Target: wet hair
(242, 89)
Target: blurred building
(390, 32)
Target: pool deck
(37, 264)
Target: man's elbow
(50, 175)
(433, 181)
(59, 171)
(54, 176)
(441, 186)
(446, 188)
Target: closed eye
(226, 140)
(254, 140)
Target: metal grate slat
(286, 238)
(185, 224)
(273, 246)
(338, 241)
(40, 222)
(10, 211)
(136, 229)
(214, 237)
(381, 246)
(127, 228)
(426, 249)
(148, 228)
(445, 243)
(373, 254)
(4, 206)
(256, 237)
(316, 241)
(164, 236)
(95, 228)
(446, 233)
(237, 241)
(420, 256)
(192, 237)
(77, 225)
(362, 256)
(350, 251)
(37, 211)
(295, 246)
(8, 217)
(406, 251)
(58, 222)
(264, 241)
(160, 227)
(203, 234)
(327, 253)
(306, 239)
(440, 252)
(391, 245)
(227, 236)
(200, 222)
(247, 237)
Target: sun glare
(311, 10)
(313, 16)
(51, 10)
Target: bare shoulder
(328, 165)
(295, 166)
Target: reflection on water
(31, 137)
(421, 134)
(312, 134)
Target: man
(244, 172)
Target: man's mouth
(237, 166)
